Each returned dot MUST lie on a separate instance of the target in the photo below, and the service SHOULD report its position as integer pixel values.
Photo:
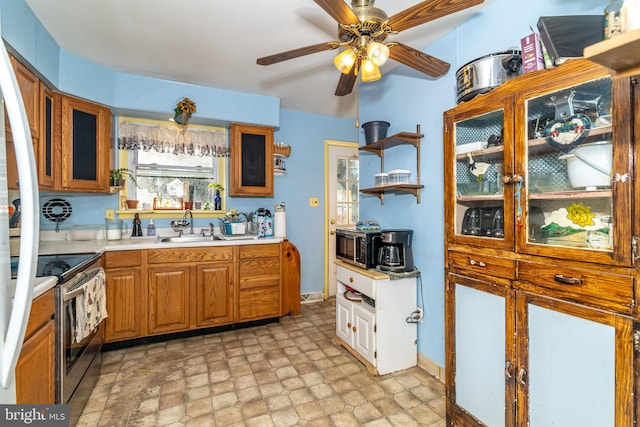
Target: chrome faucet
(179, 225)
(184, 219)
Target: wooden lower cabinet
(259, 282)
(214, 289)
(168, 299)
(517, 358)
(126, 295)
(35, 370)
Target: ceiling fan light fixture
(345, 60)
(370, 71)
(378, 53)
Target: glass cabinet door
(569, 167)
(482, 148)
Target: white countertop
(52, 247)
(41, 285)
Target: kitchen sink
(185, 239)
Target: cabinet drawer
(357, 281)
(181, 255)
(606, 290)
(259, 303)
(259, 272)
(123, 259)
(259, 251)
(42, 310)
(485, 264)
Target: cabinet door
(86, 130)
(28, 84)
(480, 352)
(48, 144)
(251, 164)
(124, 304)
(35, 371)
(575, 365)
(214, 294)
(364, 338)
(168, 299)
(574, 144)
(478, 160)
(344, 319)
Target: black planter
(374, 131)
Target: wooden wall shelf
(621, 54)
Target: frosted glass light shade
(370, 71)
(378, 53)
(345, 60)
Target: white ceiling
(216, 43)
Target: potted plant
(117, 177)
(183, 111)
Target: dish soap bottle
(612, 20)
(151, 228)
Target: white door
(342, 194)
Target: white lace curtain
(168, 138)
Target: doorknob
(333, 221)
(332, 232)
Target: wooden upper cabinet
(29, 87)
(251, 169)
(86, 134)
(48, 152)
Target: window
(347, 201)
(172, 165)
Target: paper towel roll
(280, 224)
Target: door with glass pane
(575, 159)
(343, 203)
(479, 178)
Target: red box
(532, 59)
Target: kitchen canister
(113, 229)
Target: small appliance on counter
(358, 246)
(395, 253)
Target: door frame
(327, 144)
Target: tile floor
(283, 374)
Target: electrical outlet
(313, 202)
(110, 214)
(419, 314)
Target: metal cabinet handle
(354, 329)
(508, 370)
(567, 280)
(349, 325)
(478, 263)
(522, 376)
(350, 279)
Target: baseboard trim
(431, 367)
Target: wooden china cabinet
(540, 251)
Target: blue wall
(405, 99)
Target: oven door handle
(78, 288)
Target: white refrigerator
(15, 296)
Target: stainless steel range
(77, 363)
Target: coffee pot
(394, 252)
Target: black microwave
(357, 247)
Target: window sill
(168, 213)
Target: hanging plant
(183, 111)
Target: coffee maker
(394, 252)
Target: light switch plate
(313, 202)
(110, 214)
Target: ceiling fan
(363, 30)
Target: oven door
(77, 356)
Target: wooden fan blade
(428, 11)
(418, 60)
(339, 11)
(346, 83)
(295, 53)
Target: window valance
(168, 138)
